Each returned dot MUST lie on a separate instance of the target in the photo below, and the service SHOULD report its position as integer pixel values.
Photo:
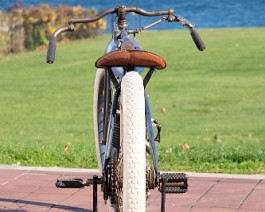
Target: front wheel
(133, 143)
(100, 112)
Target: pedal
(69, 183)
(175, 183)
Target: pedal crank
(78, 183)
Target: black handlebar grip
(197, 39)
(51, 50)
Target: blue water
(204, 13)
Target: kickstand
(163, 194)
(95, 193)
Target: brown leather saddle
(123, 57)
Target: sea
(203, 13)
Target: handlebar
(121, 13)
(118, 9)
(197, 39)
(51, 50)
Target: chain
(119, 169)
(112, 164)
(116, 178)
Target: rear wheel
(128, 167)
(133, 152)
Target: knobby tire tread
(133, 141)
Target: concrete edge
(48, 169)
(230, 176)
(59, 169)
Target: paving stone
(228, 204)
(211, 209)
(34, 190)
(256, 205)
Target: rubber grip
(51, 50)
(197, 39)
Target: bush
(31, 27)
(4, 36)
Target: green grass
(219, 93)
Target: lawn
(213, 101)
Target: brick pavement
(32, 189)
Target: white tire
(133, 141)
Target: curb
(190, 174)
